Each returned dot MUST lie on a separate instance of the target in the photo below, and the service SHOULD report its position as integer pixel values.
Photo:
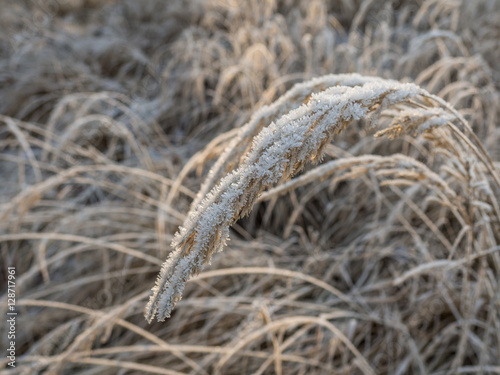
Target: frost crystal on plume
(294, 136)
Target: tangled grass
(383, 259)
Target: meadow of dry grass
(344, 155)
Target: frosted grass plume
(277, 153)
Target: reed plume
(276, 154)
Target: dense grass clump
(134, 132)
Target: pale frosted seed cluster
(278, 152)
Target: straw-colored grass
(123, 123)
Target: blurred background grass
(102, 103)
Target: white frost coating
(290, 100)
(279, 151)
(417, 120)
